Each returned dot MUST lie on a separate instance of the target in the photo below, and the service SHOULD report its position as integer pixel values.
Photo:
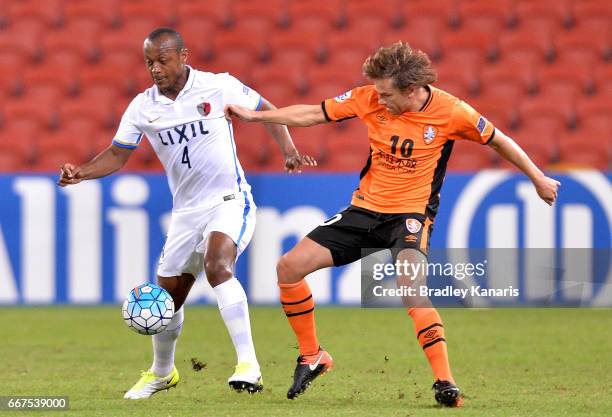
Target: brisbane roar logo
(413, 225)
(429, 134)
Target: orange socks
(299, 308)
(430, 333)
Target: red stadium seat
(259, 17)
(233, 53)
(309, 141)
(562, 92)
(72, 112)
(582, 49)
(348, 53)
(456, 79)
(583, 149)
(197, 33)
(486, 16)
(64, 83)
(522, 49)
(439, 14)
(348, 148)
(330, 10)
(117, 53)
(313, 140)
(501, 111)
(522, 82)
(327, 82)
(594, 114)
(24, 48)
(47, 12)
(219, 10)
(378, 17)
(535, 107)
(312, 24)
(18, 143)
(12, 59)
(470, 49)
(538, 136)
(279, 94)
(25, 127)
(352, 39)
(66, 40)
(135, 29)
(99, 96)
(156, 12)
(568, 79)
(603, 80)
(551, 15)
(105, 12)
(592, 16)
(67, 60)
(24, 108)
(470, 157)
(254, 145)
(291, 79)
(54, 150)
(421, 32)
(105, 76)
(11, 82)
(299, 49)
(16, 153)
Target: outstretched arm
(293, 160)
(546, 187)
(107, 162)
(296, 115)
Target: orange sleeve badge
(467, 123)
(347, 105)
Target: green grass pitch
(508, 362)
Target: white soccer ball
(148, 309)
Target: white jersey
(192, 138)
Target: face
(164, 62)
(396, 101)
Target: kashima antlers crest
(204, 108)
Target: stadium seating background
(540, 70)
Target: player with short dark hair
(412, 127)
(213, 212)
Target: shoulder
(444, 103)
(364, 95)
(444, 98)
(218, 79)
(141, 102)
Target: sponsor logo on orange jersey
(343, 96)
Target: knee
(217, 271)
(286, 271)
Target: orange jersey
(408, 152)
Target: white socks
(164, 345)
(234, 309)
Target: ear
(183, 56)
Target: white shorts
(189, 230)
